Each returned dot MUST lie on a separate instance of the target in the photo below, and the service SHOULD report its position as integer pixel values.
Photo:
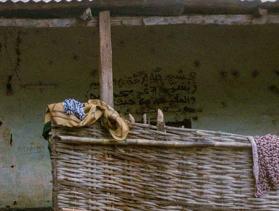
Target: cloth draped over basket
(265, 152)
(94, 110)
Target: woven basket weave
(175, 169)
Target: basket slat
(145, 142)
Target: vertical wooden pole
(105, 69)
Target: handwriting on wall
(144, 92)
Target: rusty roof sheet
(41, 1)
(58, 1)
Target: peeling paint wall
(213, 77)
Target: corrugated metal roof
(39, 1)
(58, 1)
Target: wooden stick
(144, 118)
(160, 120)
(105, 70)
(132, 119)
(146, 142)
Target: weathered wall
(221, 78)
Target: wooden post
(105, 69)
(144, 118)
(161, 120)
(132, 119)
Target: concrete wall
(220, 78)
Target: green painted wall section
(220, 78)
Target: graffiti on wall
(144, 92)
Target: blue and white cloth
(72, 106)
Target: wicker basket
(175, 169)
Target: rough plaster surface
(221, 78)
